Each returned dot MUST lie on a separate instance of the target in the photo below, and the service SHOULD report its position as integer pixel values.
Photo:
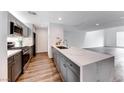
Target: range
(25, 53)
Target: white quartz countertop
(82, 57)
(12, 52)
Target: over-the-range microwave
(14, 29)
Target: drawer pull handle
(64, 65)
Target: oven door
(26, 57)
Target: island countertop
(13, 52)
(82, 57)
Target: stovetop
(24, 49)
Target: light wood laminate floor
(40, 69)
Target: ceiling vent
(32, 13)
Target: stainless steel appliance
(16, 29)
(26, 55)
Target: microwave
(14, 29)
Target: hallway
(40, 69)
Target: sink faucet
(65, 42)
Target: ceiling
(79, 19)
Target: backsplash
(27, 41)
(20, 41)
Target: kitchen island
(82, 65)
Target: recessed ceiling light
(32, 12)
(97, 24)
(59, 18)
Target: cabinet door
(54, 56)
(25, 32)
(10, 62)
(57, 59)
(63, 71)
(30, 51)
(71, 76)
(18, 65)
(63, 67)
(13, 72)
(9, 72)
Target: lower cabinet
(9, 72)
(14, 67)
(31, 51)
(69, 71)
(72, 76)
(17, 65)
(63, 69)
(13, 72)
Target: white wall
(42, 40)
(111, 36)
(120, 39)
(3, 46)
(94, 39)
(54, 31)
(85, 39)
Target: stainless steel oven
(26, 56)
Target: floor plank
(40, 69)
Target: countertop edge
(14, 52)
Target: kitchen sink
(62, 47)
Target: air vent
(32, 13)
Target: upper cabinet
(16, 28)
(25, 31)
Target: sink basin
(62, 47)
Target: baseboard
(42, 53)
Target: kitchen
(62, 47)
(20, 43)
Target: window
(120, 39)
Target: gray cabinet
(72, 76)
(69, 71)
(56, 56)
(13, 72)
(14, 67)
(25, 31)
(10, 62)
(31, 51)
(18, 65)
(17, 22)
(63, 68)
(73, 72)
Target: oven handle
(26, 52)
